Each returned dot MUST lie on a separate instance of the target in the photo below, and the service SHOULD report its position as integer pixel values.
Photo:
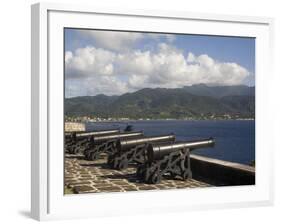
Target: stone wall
(221, 173)
(74, 126)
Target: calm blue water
(235, 140)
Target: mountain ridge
(161, 103)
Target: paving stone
(70, 179)
(101, 181)
(88, 176)
(129, 188)
(79, 182)
(68, 176)
(170, 185)
(102, 185)
(85, 176)
(121, 183)
(110, 189)
(82, 188)
(147, 188)
(85, 172)
(70, 182)
(160, 187)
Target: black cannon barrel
(98, 139)
(72, 133)
(156, 152)
(95, 133)
(128, 143)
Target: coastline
(148, 120)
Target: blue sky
(130, 60)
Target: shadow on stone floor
(129, 177)
(98, 165)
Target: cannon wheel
(70, 150)
(92, 156)
(86, 154)
(186, 175)
(76, 150)
(123, 165)
(172, 175)
(140, 172)
(111, 161)
(155, 179)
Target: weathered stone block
(74, 126)
(82, 188)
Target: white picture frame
(48, 201)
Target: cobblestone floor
(82, 176)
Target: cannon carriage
(155, 156)
(133, 150)
(107, 144)
(173, 159)
(77, 141)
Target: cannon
(107, 144)
(67, 139)
(173, 159)
(78, 141)
(133, 150)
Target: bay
(235, 139)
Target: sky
(115, 62)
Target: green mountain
(163, 103)
(220, 91)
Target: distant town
(112, 119)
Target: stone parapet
(221, 173)
(74, 126)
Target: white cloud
(112, 40)
(190, 57)
(121, 41)
(135, 62)
(102, 71)
(89, 61)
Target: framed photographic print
(146, 111)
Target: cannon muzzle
(96, 133)
(157, 152)
(99, 139)
(129, 143)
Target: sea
(235, 139)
